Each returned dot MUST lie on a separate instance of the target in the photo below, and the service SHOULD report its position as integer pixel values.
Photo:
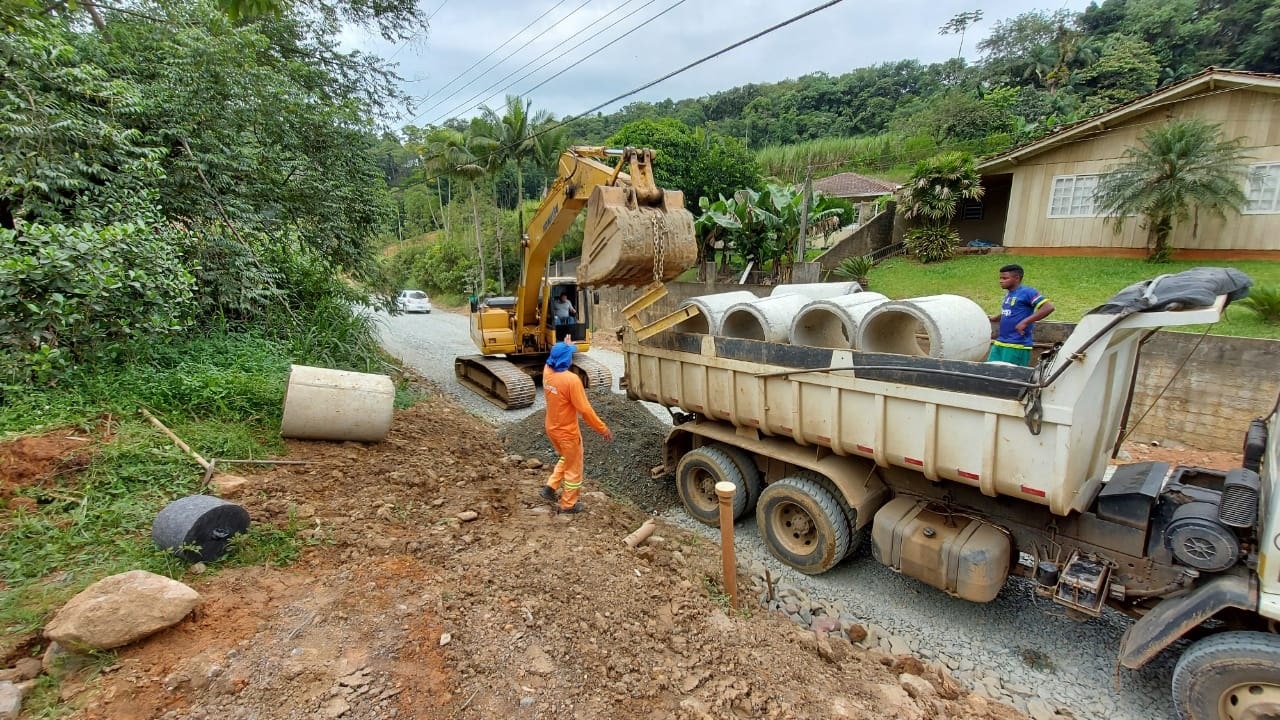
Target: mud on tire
(803, 525)
(696, 477)
(1229, 675)
(751, 476)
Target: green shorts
(1011, 355)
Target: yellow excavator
(636, 235)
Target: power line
(468, 104)
(491, 52)
(593, 53)
(554, 126)
(414, 36)
(470, 82)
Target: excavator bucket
(630, 244)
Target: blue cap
(561, 356)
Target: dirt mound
(620, 468)
(31, 461)
(440, 586)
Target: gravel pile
(620, 468)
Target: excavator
(636, 235)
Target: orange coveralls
(565, 401)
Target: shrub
(71, 293)
(931, 243)
(855, 268)
(1265, 301)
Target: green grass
(1073, 284)
(222, 393)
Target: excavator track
(499, 381)
(594, 374)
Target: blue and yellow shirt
(1019, 304)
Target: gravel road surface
(1024, 650)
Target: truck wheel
(750, 476)
(803, 525)
(1229, 676)
(696, 477)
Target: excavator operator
(566, 400)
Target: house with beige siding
(1039, 196)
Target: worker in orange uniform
(565, 401)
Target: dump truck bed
(980, 424)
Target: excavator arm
(636, 234)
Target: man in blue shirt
(1022, 307)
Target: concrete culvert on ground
(833, 323)
(949, 327)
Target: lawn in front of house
(1073, 284)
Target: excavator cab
(576, 322)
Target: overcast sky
(849, 35)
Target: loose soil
(436, 584)
(34, 460)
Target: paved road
(1027, 643)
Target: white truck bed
(950, 420)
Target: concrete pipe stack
(834, 322)
(770, 318)
(955, 328)
(711, 310)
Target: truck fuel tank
(964, 556)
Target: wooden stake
(725, 491)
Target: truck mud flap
(1174, 617)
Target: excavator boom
(636, 234)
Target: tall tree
(456, 155)
(958, 24)
(513, 134)
(1180, 166)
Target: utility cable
(593, 53)
(468, 104)
(491, 52)
(554, 126)
(472, 81)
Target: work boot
(546, 493)
(577, 508)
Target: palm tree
(552, 138)
(1178, 167)
(515, 142)
(455, 155)
(931, 197)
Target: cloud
(836, 40)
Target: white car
(411, 301)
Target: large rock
(10, 701)
(120, 609)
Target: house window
(1072, 196)
(971, 211)
(1262, 189)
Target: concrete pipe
(711, 310)
(953, 328)
(767, 319)
(817, 291)
(324, 404)
(834, 323)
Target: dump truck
(962, 474)
(636, 235)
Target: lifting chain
(659, 246)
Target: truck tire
(696, 477)
(856, 537)
(1229, 676)
(803, 525)
(751, 481)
